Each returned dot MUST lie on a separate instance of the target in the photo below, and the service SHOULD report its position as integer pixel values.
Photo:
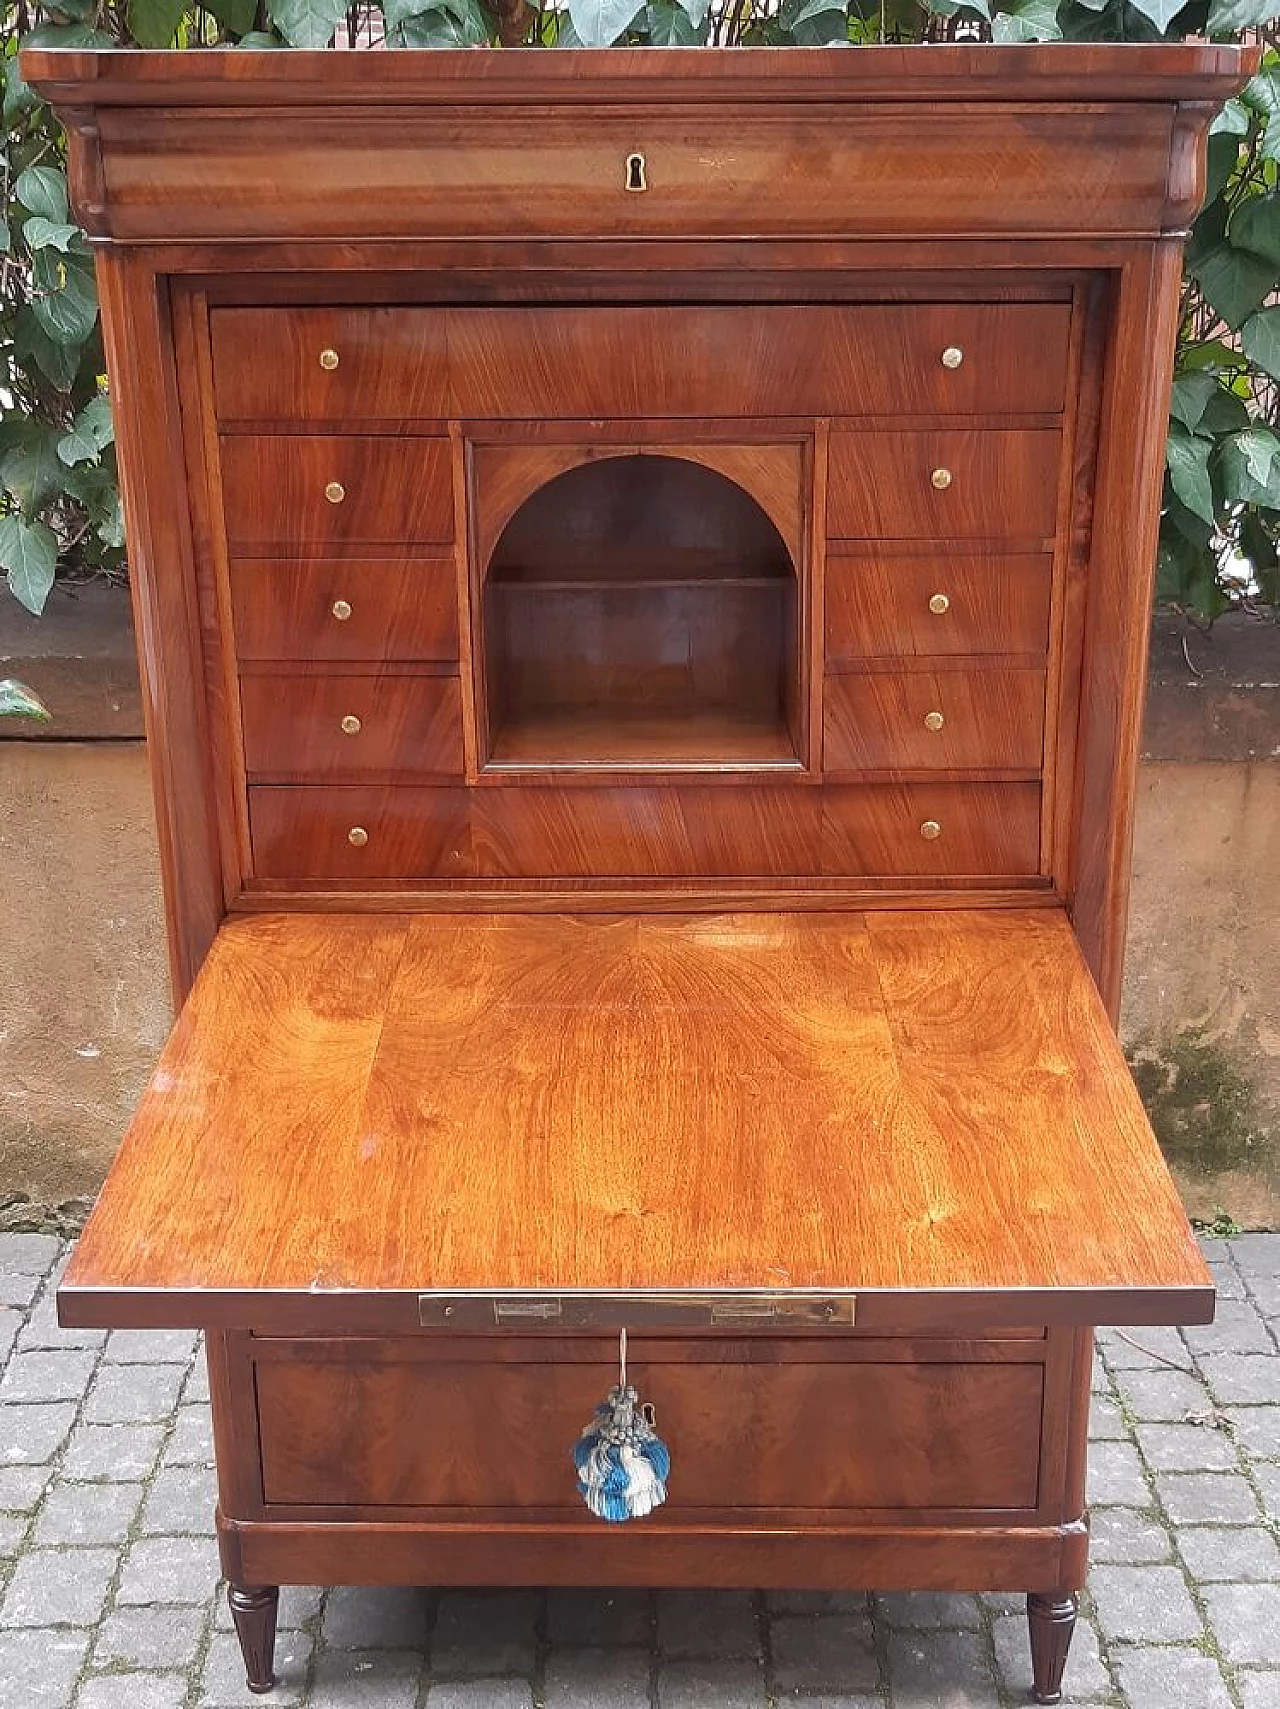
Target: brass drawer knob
(329, 360)
(357, 836)
(952, 356)
(931, 830)
(335, 492)
(341, 609)
(350, 725)
(941, 479)
(939, 604)
(933, 720)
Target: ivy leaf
(29, 556)
(68, 35)
(1222, 158)
(1188, 461)
(30, 469)
(1249, 464)
(66, 303)
(696, 11)
(111, 528)
(19, 701)
(154, 23)
(1260, 340)
(1161, 12)
(237, 16)
(448, 23)
(1233, 120)
(43, 190)
(1028, 21)
(815, 23)
(398, 12)
(669, 25)
(1191, 394)
(6, 236)
(1228, 16)
(949, 8)
(307, 23)
(1225, 413)
(258, 39)
(19, 96)
(600, 23)
(41, 233)
(1255, 226)
(59, 363)
(1234, 281)
(95, 419)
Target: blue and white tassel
(623, 1464)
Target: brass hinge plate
(738, 1309)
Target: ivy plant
(59, 500)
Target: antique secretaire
(642, 564)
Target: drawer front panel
(982, 830)
(898, 607)
(301, 489)
(830, 1436)
(355, 835)
(329, 364)
(345, 608)
(976, 719)
(820, 360)
(945, 485)
(350, 725)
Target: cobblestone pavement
(107, 1564)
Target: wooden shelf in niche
(640, 612)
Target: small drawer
(952, 484)
(936, 605)
(944, 830)
(351, 836)
(988, 720)
(315, 489)
(348, 725)
(329, 364)
(297, 609)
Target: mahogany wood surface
(877, 604)
(1000, 485)
(402, 610)
(891, 1102)
(277, 491)
(344, 724)
(951, 720)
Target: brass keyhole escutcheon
(933, 721)
(335, 492)
(636, 179)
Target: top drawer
(353, 365)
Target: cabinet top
(1013, 73)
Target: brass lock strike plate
(741, 1308)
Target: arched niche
(640, 612)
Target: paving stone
(1267, 1476)
(168, 1569)
(1124, 1534)
(10, 1323)
(28, 1254)
(374, 1679)
(1161, 1394)
(42, 1329)
(1207, 1498)
(66, 1587)
(1141, 1349)
(18, 1291)
(602, 1679)
(181, 1499)
(134, 1691)
(1238, 1553)
(365, 1617)
(133, 1394)
(1187, 1448)
(1144, 1604)
(1116, 1477)
(1099, 1376)
(1086, 1678)
(149, 1638)
(151, 1346)
(1246, 1621)
(88, 1513)
(223, 1686)
(13, 1528)
(38, 1668)
(191, 1443)
(1256, 1430)
(485, 1632)
(929, 1611)
(1264, 1293)
(1242, 1378)
(928, 1668)
(32, 1435)
(22, 1486)
(45, 1376)
(298, 1606)
(492, 1694)
(707, 1623)
(695, 1685)
(122, 1453)
(830, 1652)
(196, 1387)
(1171, 1679)
(1255, 1254)
(818, 1602)
(1237, 1328)
(1258, 1690)
(999, 1602)
(1105, 1420)
(1227, 1280)
(598, 1617)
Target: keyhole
(635, 172)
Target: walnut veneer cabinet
(642, 565)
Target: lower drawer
(397, 1423)
(962, 720)
(350, 834)
(358, 724)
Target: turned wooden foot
(253, 1608)
(1052, 1619)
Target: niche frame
(504, 469)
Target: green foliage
(1220, 533)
